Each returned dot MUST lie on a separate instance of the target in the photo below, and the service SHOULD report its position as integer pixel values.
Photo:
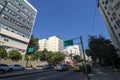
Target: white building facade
(53, 43)
(110, 11)
(73, 50)
(17, 19)
(42, 44)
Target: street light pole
(85, 66)
(81, 41)
(70, 42)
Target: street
(52, 75)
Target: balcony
(13, 35)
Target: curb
(20, 74)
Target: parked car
(16, 67)
(62, 67)
(48, 66)
(117, 63)
(4, 68)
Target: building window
(102, 2)
(115, 26)
(108, 13)
(118, 23)
(114, 15)
(106, 2)
(1, 6)
(110, 8)
(111, 19)
(117, 6)
(105, 7)
(111, 1)
(119, 35)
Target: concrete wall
(22, 62)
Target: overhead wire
(94, 17)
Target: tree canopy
(49, 56)
(3, 53)
(15, 55)
(77, 58)
(33, 42)
(101, 49)
(55, 57)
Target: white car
(4, 68)
(16, 67)
(62, 67)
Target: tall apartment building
(17, 18)
(42, 44)
(110, 11)
(74, 50)
(53, 43)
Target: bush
(3, 53)
(26, 57)
(33, 57)
(15, 55)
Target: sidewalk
(24, 72)
(105, 74)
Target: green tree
(15, 55)
(42, 55)
(77, 58)
(3, 53)
(26, 57)
(55, 57)
(101, 49)
(33, 44)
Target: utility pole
(70, 42)
(84, 64)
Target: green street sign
(30, 50)
(68, 42)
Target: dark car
(117, 63)
(48, 66)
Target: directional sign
(68, 42)
(30, 50)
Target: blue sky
(68, 19)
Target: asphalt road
(52, 75)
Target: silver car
(16, 67)
(4, 68)
(62, 67)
